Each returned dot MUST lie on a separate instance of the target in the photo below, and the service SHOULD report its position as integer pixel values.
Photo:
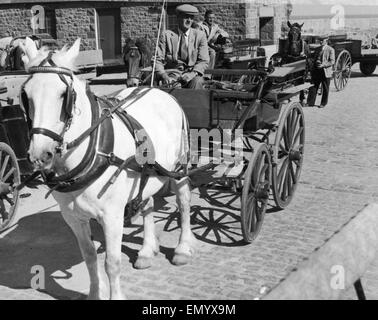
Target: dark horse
(136, 55)
(292, 50)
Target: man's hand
(319, 65)
(188, 76)
(166, 79)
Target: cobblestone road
(339, 176)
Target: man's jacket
(167, 52)
(327, 58)
(213, 32)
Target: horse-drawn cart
(259, 103)
(256, 103)
(347, 52)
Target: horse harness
(99, 154)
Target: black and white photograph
(204, 152)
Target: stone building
(106, 24)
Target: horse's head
(295, 41)
(48, 97)
(136, 55)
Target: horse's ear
(289, 24)
(302, 25)
(73, 52)
(29, 48)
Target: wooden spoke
(298, 135)
(10, 172)
(4, 166)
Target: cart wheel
(343, 67)
(367, 68)
(9, 178)
(288, 154)
(255, 194)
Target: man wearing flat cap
(183, 54)
(322, 74)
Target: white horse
(161, 117)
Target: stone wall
(138, 19)
(14, 22)
(73, 23)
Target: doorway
(266, 30)
(109, 34)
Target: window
(50, 23)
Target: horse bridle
(68, 101)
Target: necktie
(183, 49)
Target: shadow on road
(45, 240)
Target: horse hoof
(143, 263)
(180, 259)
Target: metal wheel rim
(9, 173)
(343, 70)
(289, 150)
(255, 194)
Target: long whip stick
(157, 44)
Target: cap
(187, 9)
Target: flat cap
(187, 9)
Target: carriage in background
(347, 52)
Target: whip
(157, 43)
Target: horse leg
(112, 224)
(185, 249)
(82, 231)
(150, 246)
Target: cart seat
(206, 108)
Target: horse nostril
(49, 155)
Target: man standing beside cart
(322, 74)
(182, 54)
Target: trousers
(318, 78)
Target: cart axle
(295, 155)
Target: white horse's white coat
(162, 119)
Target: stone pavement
(339, 176)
